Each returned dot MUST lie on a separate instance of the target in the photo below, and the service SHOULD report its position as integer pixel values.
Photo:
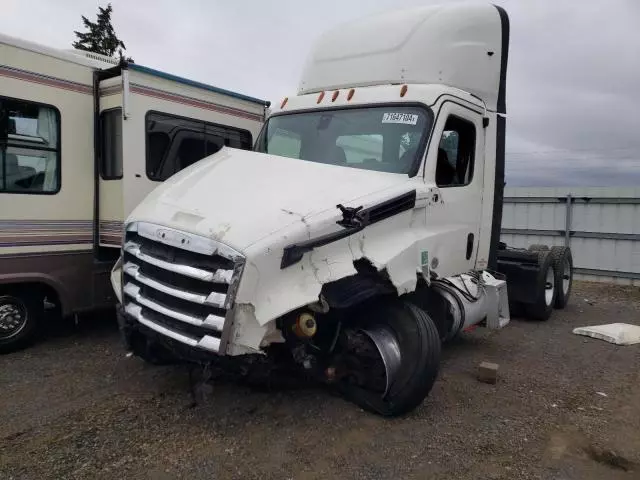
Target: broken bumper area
(155, 347)
(158, 349)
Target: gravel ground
(74, 406)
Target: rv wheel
(389, 361)
(546, 287)
(20, 311)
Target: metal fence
(601, 225)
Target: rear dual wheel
(391, 357)
(542, 307)
(563, 267)
(563, 263)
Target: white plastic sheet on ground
(618, 333)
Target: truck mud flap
(521, 270)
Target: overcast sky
(573, 90)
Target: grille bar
(170, 236)
(207, 342)
(214, 299)
(180, 285)
(219, 276)
(214, 322)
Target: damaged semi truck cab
(361, 231)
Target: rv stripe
(23, 233)
(111, 232)
(41, 79)
(44, 222)
(43, 243)
(194, 102)
(64, 84)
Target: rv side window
(29, 147)
(111, 132)
(456, 153)
(174, 143)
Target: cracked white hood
(240, 197)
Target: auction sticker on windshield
(405, 118)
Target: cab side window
(456, 153)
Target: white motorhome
(83, 139)
(364, 229)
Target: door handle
(469, 245)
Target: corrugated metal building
(601, 224)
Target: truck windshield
(384, 138)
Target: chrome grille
(180, 285)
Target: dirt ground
(565, 407)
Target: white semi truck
(362, 231)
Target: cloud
(573, 83)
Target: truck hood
(239, 197)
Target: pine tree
(100, 36)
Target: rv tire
(20, 312)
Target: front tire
(20, 313)
(418, 344)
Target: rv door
(111, 208)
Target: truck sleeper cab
(360, 233)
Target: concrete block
(488, 372)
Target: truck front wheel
(389, 361)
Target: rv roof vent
(95, 56)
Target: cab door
(455, 164)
